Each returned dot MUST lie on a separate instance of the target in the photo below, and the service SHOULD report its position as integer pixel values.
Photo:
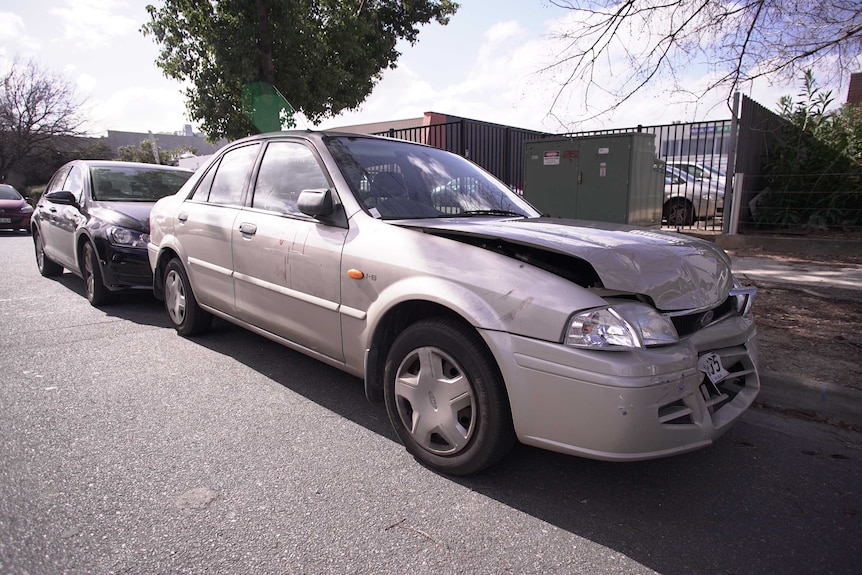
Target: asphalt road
(125, 448)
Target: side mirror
(315, 203)
(62, 197)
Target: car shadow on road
(138, 306)
(726, 509)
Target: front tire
(446, 398)
(47, 267)
(94, 286)
(185, 314)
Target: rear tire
(679, 212)
(47, 267)
(446, 398)
(185, 314)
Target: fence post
(735, 193)
(733, 224)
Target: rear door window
(225, 183)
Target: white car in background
(688, 199)
(717, 178)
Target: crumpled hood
(132, 215)
(677, 272)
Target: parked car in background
(93, 219)
(15, 212)
(688, 199)
(475, 319)
(716, 177)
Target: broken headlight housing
(620, 326)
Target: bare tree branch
(36, 108)
(733, 43)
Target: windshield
(135, 184)
(9, 193)
(399, 180)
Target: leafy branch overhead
(729, 43)
(324, 56)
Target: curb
(822, 401)
(802, 245)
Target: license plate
(710, 364)
(5, 220)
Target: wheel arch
(394, 321)
(80, 241)
(165, 255)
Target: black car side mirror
(62, 197)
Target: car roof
(122, 164)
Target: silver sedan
(477, 321)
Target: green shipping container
(610, 178)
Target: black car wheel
(679, 212)
(183, 310)
(446, 399)
(47, 267)
(94, 286)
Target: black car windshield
(393, 179)
(135, 183)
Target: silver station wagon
(477, 320)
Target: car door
(287, 265)
(66, 219)
(46, 211)
(204, 227)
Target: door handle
(247, 229)
(183, 217)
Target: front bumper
(14, 222)
(126, 268)
(629, 405)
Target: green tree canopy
(324, 56)
(145, 153)
(815, 166)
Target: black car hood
(132, 215)
(675, 271)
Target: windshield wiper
(492, 212)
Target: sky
(483, 65)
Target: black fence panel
(498, 149)
(690, 150)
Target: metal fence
(498, 149)
(697, 156)
(690, 150)
(804, 211)
(701, 161)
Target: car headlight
(128, 238)
(27, 209)
(620, 326)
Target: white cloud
(15, 35)
(139, 109)
(94, 22)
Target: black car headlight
(125, 237)
(620, 326)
